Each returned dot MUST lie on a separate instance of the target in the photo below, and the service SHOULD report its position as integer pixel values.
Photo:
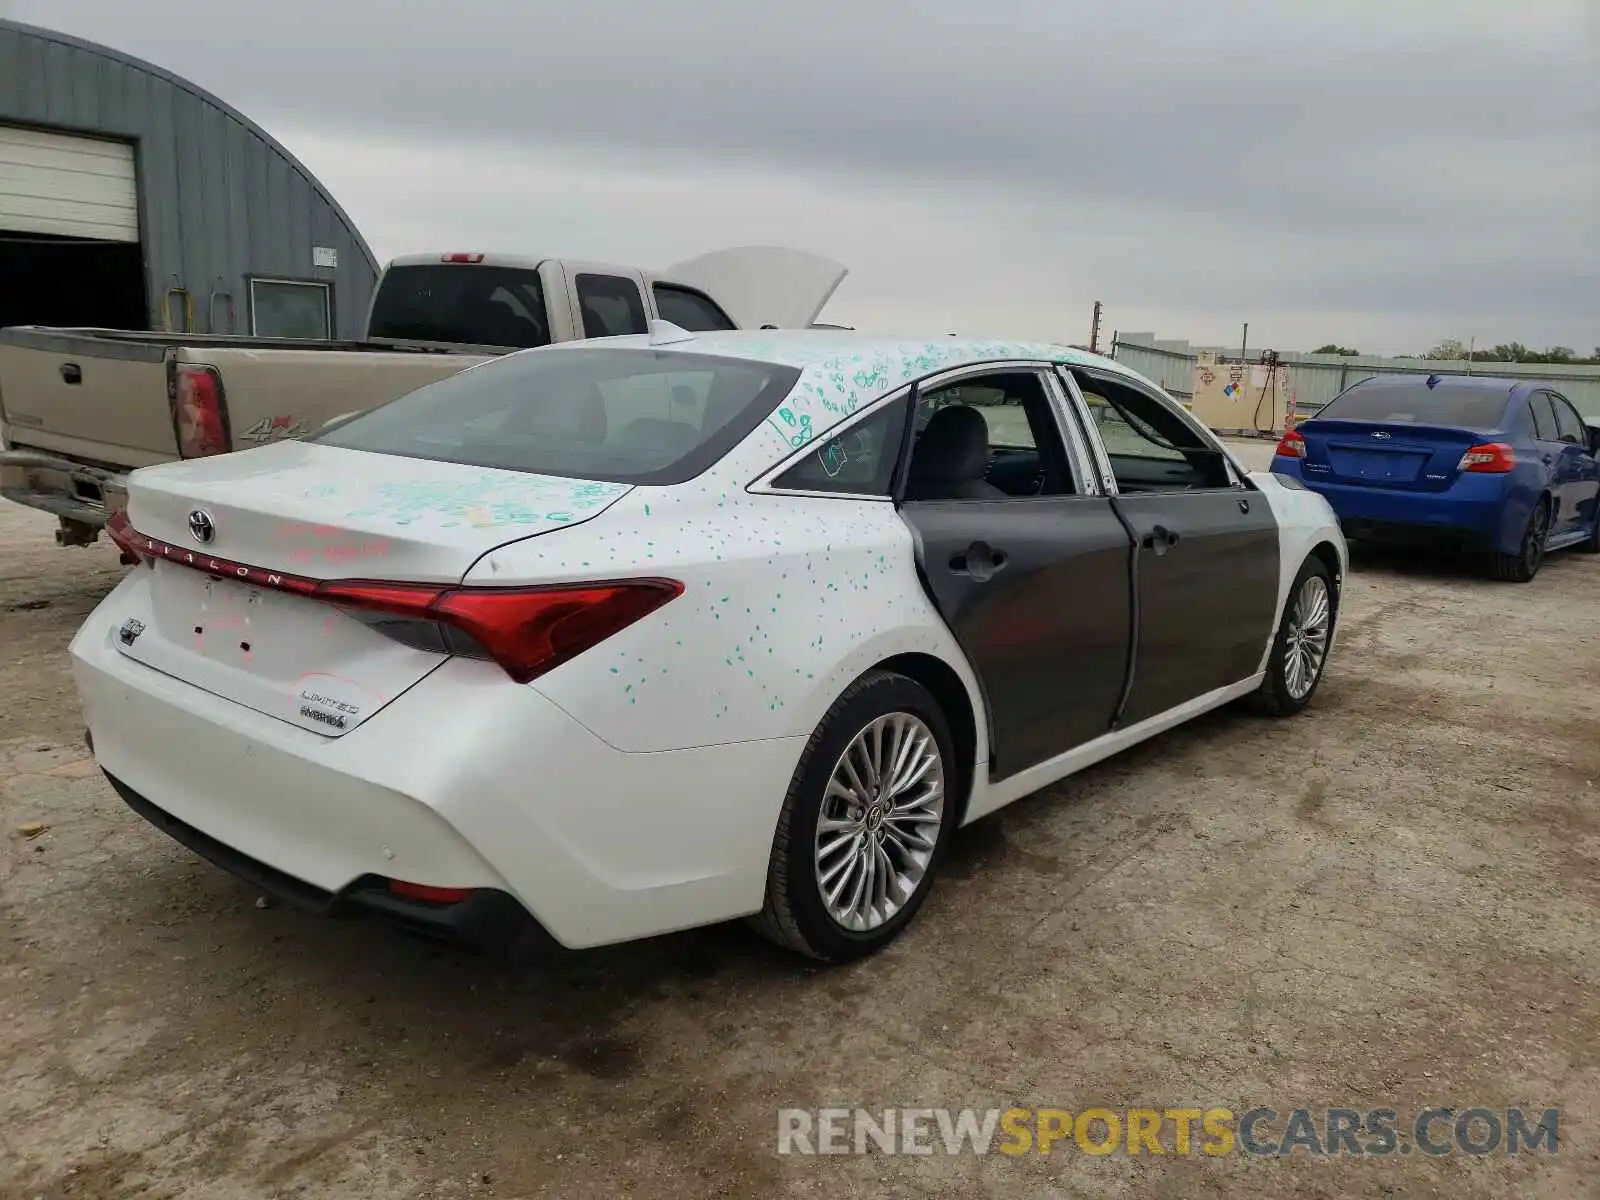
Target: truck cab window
(689, 309)
(474, 305)
(611, 306)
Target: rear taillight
(199, 414)
(1292, 445)
(526, 630)
(1488, 458)
(461, 258)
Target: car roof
(825, 349)
(1485, 383)
(843, 370)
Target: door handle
(1160, 539)
(979, 560)
(71, 373)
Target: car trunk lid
(235, 543)
(1398, 455)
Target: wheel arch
(1328, 553)
(950, 692)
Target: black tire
(795, 914)
(1275, 697)
(1523, 565)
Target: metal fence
(1315, 379)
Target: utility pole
(1094, 331)
(1244, 341)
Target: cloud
(1367, 172)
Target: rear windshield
(1473, 406)
(476, 305)
(618, 415)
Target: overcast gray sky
(1379, 173)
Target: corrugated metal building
(130, 198)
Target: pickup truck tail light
(1489, 458)
(201, 419)
(461, 258)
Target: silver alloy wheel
(879, 821)
(1307, 643)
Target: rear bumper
(463, 781)
(489, 921)
(1473, 510)
(70, 490)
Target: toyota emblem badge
(201, 526)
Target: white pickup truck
(80, 408)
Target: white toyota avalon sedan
(596, 641)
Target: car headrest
(953, 448)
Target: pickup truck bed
(80, 408)
(76, 403)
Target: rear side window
(689, 310)
(611, 306)
(1411, 400)
(621, 416)
(477, 305)
(860, 461)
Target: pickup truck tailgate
(85, 390)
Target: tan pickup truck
(80, 408)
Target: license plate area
(1376, 466)
(287, 656)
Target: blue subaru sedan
(1493, 465)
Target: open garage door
(69, 232)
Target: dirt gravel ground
(1390, 900)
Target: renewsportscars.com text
(1434, 1131)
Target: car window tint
(1408, 399)
(1567, 420)
(1026, 456)
(1543, 430)
(475, 305)
(859, 461)
(611, 306)
(1151, 448)
(1544, 417)
(619, 415)
(689, 310)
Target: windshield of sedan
(1471, 406)
(617, 415)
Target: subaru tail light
(201, 420)
(526, 630)
(1489, 458)
(1292, 445)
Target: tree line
(1505, 352)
